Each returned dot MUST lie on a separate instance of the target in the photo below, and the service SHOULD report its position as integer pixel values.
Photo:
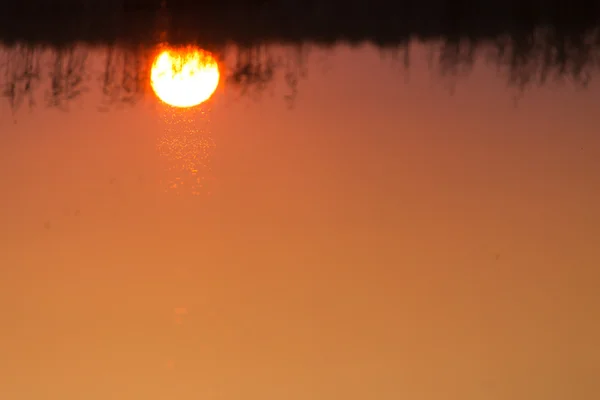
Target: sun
(184, 77)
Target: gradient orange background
(382, 239)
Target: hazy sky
(382, 239)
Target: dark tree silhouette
(529, 42)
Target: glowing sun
(184, 78)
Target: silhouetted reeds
(530, 41)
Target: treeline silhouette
(532, 41)
(383, 22)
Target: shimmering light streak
(185, 147)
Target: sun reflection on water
(184, 77)
(186, 147)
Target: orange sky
(382, 239)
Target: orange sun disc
(184, 78)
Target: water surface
(341, 227)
